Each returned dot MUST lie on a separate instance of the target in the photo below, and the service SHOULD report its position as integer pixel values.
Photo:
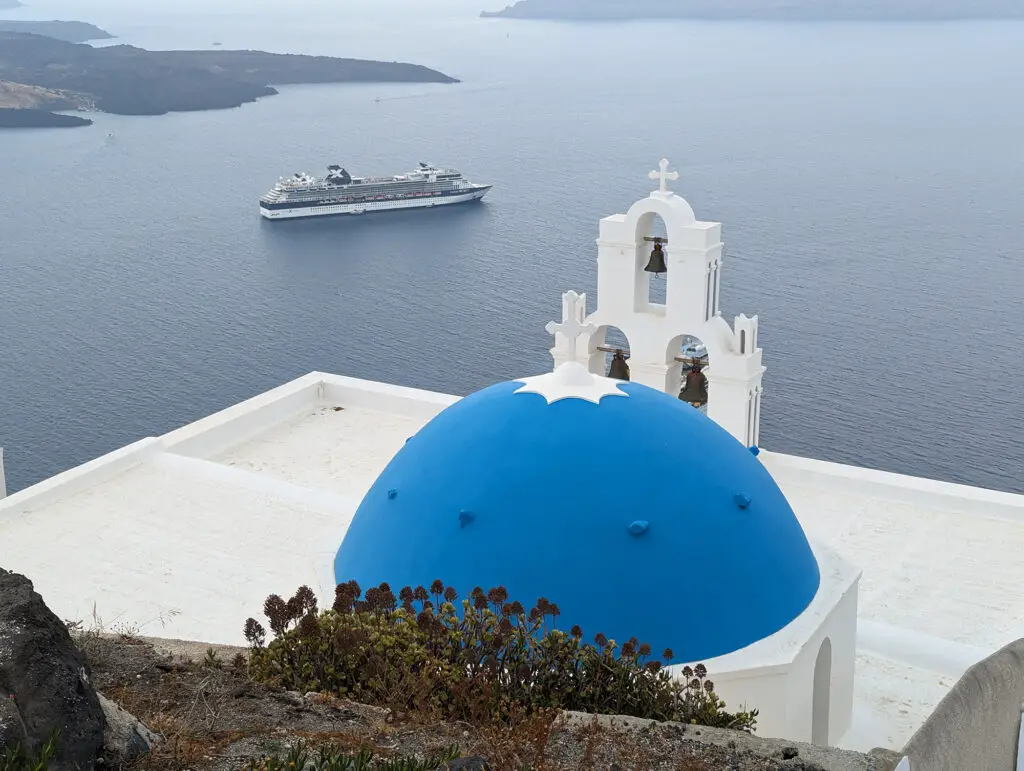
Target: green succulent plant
(480, 659)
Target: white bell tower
(655, 332)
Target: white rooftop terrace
(186, 534)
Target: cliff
(70, 31)
(133, 81)
(764, 10)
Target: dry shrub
(486, 659)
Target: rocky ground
(201, 712)
(19, 96)
(213, 718)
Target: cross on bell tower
(663, 175)
(690, 256)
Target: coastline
(20, 118)
(69, 31)
(43, 73)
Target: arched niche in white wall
(822, 701)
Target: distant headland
(19, 118)
(70, 31)
(762, 10)
(43, 73)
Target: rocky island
(30, 118)
(38, 72)
(762, 10)
(71, 31)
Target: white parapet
(3, 480)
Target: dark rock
(125, 737)
(465, 764)
(788, 753)
(12, 730)
(46, 677)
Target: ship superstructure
(304, 195)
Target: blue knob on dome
(754, 450)
(465, 517)
(743, 501)
(639, 527)
(392, 494)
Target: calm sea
(870, 179)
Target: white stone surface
(940, 559)
(339, 451)
(170, 551)
(891, 700)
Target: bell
(618, 370)
(657, 261)
(695, 390)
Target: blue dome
(634, 513)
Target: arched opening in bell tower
(610, 353)
(690, 355)
(651, 262)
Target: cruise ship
(303, 195)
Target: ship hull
(369, 207)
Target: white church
(841, 602)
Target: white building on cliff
(842, 602)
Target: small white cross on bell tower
(663, 176)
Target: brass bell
(618, 370)
(656, 264)
(695, 390)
